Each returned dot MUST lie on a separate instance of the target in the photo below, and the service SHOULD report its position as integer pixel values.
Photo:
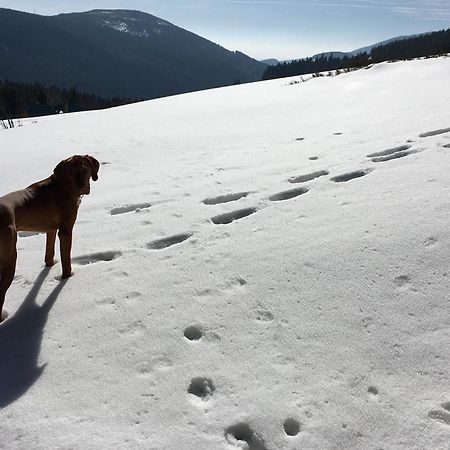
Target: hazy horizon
(281, 29)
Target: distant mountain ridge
(423, 45)
(116, 53)
(340, 54)
(368, 48)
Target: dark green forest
(18, 100)
(436, 43)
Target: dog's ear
(60, 171)
(95, 166)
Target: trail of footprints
(230, 217)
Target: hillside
(282, 286)
(115, 53)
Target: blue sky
(283, 29)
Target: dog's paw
(3, 315)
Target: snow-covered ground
(319, 321)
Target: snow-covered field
(319, 321)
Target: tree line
(435, 43)
(19, 100)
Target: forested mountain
(435, 43)
(115, 53)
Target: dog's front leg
(65, 241)
(8, 259)
(50, 248)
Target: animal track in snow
(389, 151)
(227, 218)
(441, 416)
(351, 175)
(372, 390)
(136, 328)
(225, 198)
(92, 258)
(160, 244)
(193, 333)
(287, 195)
(308, 176)
(241, 432)
(291, 426)
(397, 155)
(263, 314)
(430, 241)
(106, 301)
(402, 280)
(202, 388)
(446, 146)
(434, 132)
(392, 153)
(129, 208)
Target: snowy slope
(326, 312)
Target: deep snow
(315, 304)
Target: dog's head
(75, 172)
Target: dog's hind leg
(8, 258)
(50, 248)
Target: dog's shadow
(20, 343)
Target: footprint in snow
(404, 282)
(351, 175)
(430, 241)
(372, 391)
(227, 218)
(435, 132)
(225, 198)
(392, 153)
(441, 415)
(92, 258)
(242, 432)
(287, 195)
(193, 333)
(291, 426)
(160, 244)
(308, 177)
(135, 207)
(263, 315)
(202, 388)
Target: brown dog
(47, 206)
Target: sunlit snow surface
(263, 266)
